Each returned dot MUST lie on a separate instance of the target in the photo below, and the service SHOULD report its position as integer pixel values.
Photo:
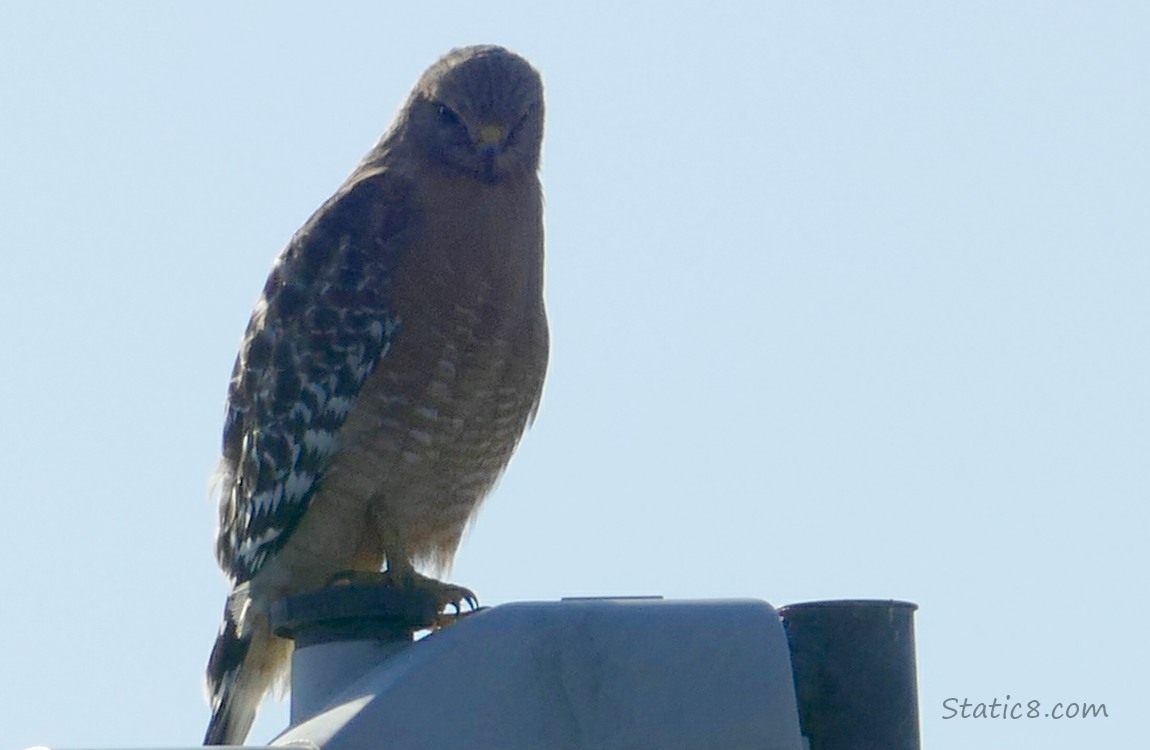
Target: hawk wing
(320, 328)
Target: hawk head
(479, 110)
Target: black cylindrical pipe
(854, 666)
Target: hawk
(390, 367)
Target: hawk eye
(450, 127)
(447, 116)
(513, 136)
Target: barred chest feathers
(436, 424)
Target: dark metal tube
(854, 665)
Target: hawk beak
(491, 142)
(492, 135)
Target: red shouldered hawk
(390, 367)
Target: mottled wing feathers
(318, 331)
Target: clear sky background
(848, 300)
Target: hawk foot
(447, 595)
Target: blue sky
(846, 302)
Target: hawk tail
(240, 671)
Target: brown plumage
(390, 367)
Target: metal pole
(854, 666)
(341, 632)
